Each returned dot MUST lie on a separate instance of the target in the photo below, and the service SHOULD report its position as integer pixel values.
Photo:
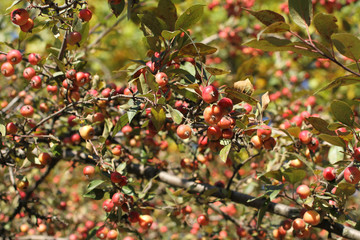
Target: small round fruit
(112, 234)
(356, 154)
(264, 132)
(85, 15)
(303, 191)
(28, 26)
(312, 217)
(7, 69)
(210, 94)
(35, 82)
(269, 144)
(71, 74)
(108, 205)
(305, 137)
(116, 177)
(214, 133)
(145, 221)
(102, 232)
(116, 150)
(89, 171)
(118, 199)
(87, 132)
(11, 128)
(226, 105)
(213, 114)
(14, 56)
(203, 220)
(34, 58)
(52, 89)
(44, 158)
(256, 141)
(352, 175)
(162, 79)
(27, 111)
(80, 79)
(133, 216)
(183, 131)
(19, 16)
(73, 38)
(29, 73)
(329, 173)
(299, 224)
(296, 163)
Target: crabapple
(87, 132)
(145, 221)
(214, 133)
(264, 132)
(11, 128)
(108, 205)
(85, 15)
(303, 191)
(305, 137)
(210, 94)
(34, 58)
(352, 175)
(27, 111)
(14, 56)
(7, 69)
(312, 217)
(329, 173)
(19, 16)
(162, 79)
(28, 26)
(89, 171)
(213, 114)
(29, 73)
(203, 220)
(183, 131)
(73, 38)
(226, 105)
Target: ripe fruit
(28, 26)
(203, 220)
(44, 158)
(102, 232)
(71, 74)
(312, 217)
(299, 224)
(213, 114)
(329, 173)
(34, 58)
(87, 132)
(80, 79)
(19, 16)
(352, 175)
(35, 82)
(89, 171)
(162, 79)
(29, 73)
(73, 38)
(303, 191)
(133, 217)
(214, 133)
(264, 132)
(305, 137)
(116, 150)
(226, 122)
(27, 111)
(108, 205)
(14, 56)
(314, 144)
(145, 221)
(85, 15)
(227, 133)
(183, 131)
(7, 69)
(112, 234)
(269, 144)
(356, 154)
(296, 163)
(52, 89)
(226, 105)
(210, 94)
(118, 199)
(11, 128)
(256, 141)
(116, 177)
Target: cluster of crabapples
(22, 18)
(216, 115)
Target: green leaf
(325, 24)
(121, 167)
(261, 213)
(279, 44)
(59, 63)
(176, 115)
(342, 112)
(96, 194)
(274, 174)
(196, 49)
(224, 152)
(84, 31)
(166, 10)
(107, 128)
(301, 12)
(294, 175)
(320, 125)
(94, 184)
(277, 27)
(158, 117)
(168, 35)
(345, 188)
(336, 154)
(237, 96)
(216, 71)
(189, 17)
(334, 140)
(347, 44)
(341, 81)
(2, 129)
(153, 23)
(117, 8)
(120, 124)
(56, 150)
(267, 17)
(187, 93)
(129, 190)
(13, 4)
